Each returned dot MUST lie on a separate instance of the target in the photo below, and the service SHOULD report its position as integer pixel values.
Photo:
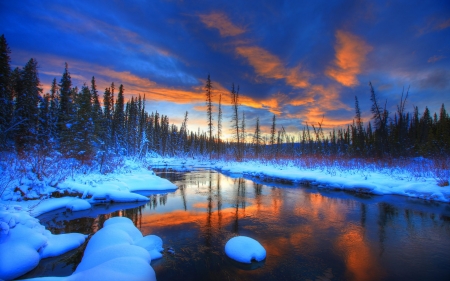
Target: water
(308, 234)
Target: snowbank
(118, 187)
(362, 181)
(117, 252)
(244, 249)
(23, 242)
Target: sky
(304, 61)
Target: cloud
(222, 23)
(434, 24)
(437, 79)
(350, 56)
(434, 59)
(270, 66)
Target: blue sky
(300, 60)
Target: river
(308, 233)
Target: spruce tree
(66, 114)
(26, 112)
(257, 138)
(119, 120)
(6, 93)
(97, 114)
(83, 127)
(219, 126)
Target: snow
(78, 205)
(244, 249)
(153, 244)
(118, 251)
(362, 181)
(114, 253)
(24, 242)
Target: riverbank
(414, 178)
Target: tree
(257, 138)
(26, 111)
(243, 134)
(83, 127)
(209, 106)
(119, 120)
(6, 92)
(66, 115)
(108, 111)
(219, 125)
(272, 133)
(380, 117)
(235, 119)
(97, 114)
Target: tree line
(77, 123)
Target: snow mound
(153, 244)
(24, 242)
(118, 252)
(244, 249)
(78, 205)
(116, 196)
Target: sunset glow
(304, 62)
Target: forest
(90, 126)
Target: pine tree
(243, 134)
(44, 133)
(97, 114)
(119, 120)
(53, 112)
(272, 133)
(26, 111)
(108, 110)
(219, 126)
(6, 93)
(83, 127)
(235, 120)
(66, 115)
(209, 108)
(257, 138)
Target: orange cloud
(351, 54)
(222, 23)
(270, 66)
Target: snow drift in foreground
(117, 252)
(24, 242)
(244, 249)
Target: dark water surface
(308, 234)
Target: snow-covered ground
(24, 241)
(361, 179)
(117, 252)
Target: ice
(244, 249)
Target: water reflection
(308, 234)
